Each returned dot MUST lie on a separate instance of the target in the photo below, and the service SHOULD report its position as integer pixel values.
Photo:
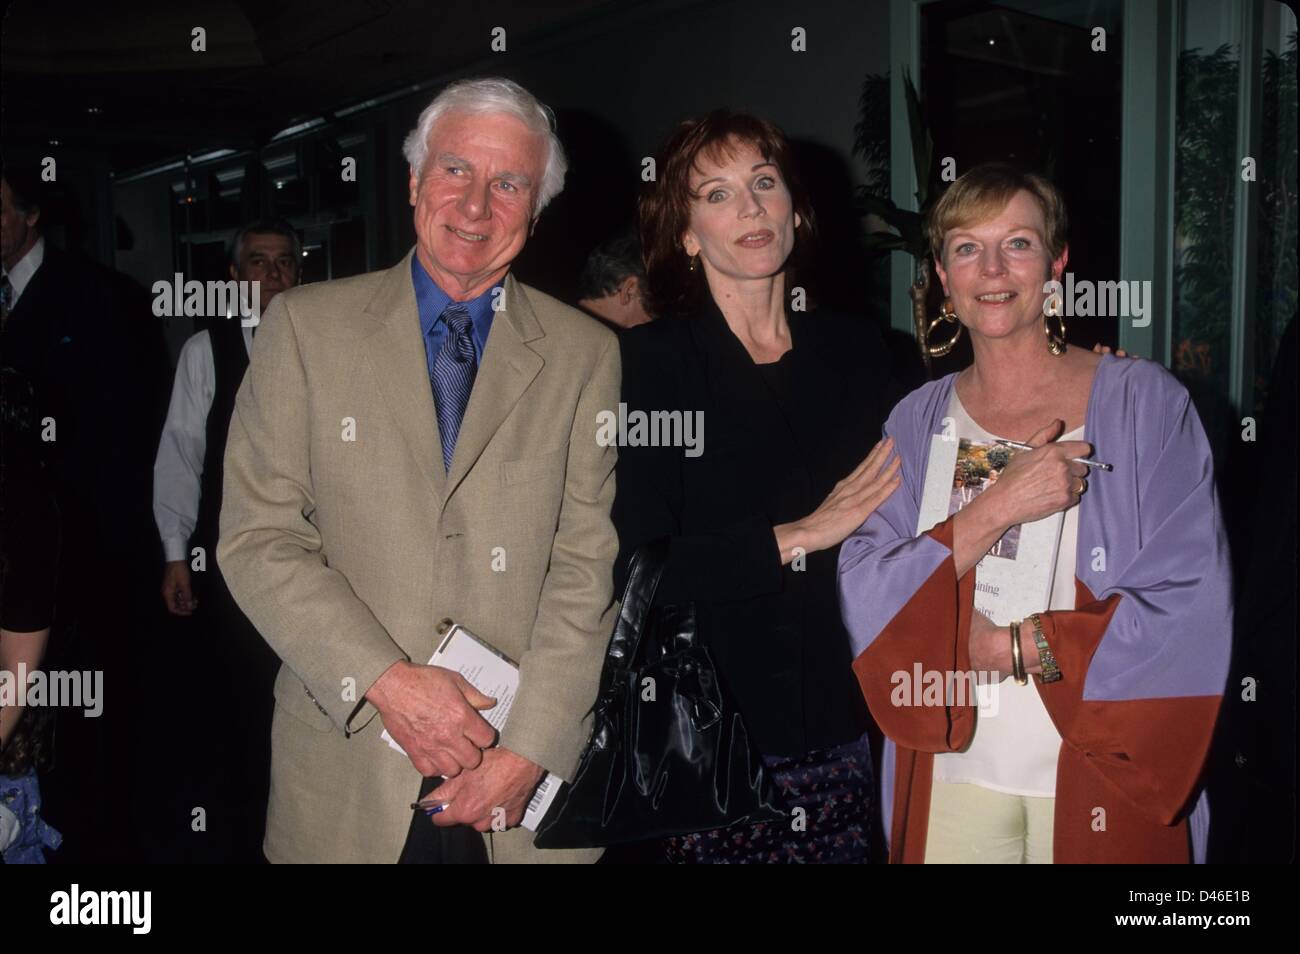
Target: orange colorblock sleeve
(915, 657)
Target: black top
(87, 341)
(779, 376)
(776, 439)
(29, 517)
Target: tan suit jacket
(345, 541)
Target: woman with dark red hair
(791, 401)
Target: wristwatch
(1051, 672)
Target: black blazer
(775, 633)
(86, 339)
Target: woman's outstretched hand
(845, 508)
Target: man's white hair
(493, 94)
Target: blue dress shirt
(432, 301)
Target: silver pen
(1078, 460)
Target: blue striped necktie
(453, 376)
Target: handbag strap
(644, 572)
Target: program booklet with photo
(1014, 579)
(493, 674)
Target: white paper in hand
(495, 675)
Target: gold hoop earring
(946, 314)
(1055, 340)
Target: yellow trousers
(974, 825)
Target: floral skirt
(835, 789)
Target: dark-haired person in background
(84, 338)
(791, 404)
(612, 287)
(186, 501)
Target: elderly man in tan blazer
(414, 444)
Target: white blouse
(1015, 745)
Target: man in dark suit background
(82, 336)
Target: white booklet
(493, 674)
(1014, 579)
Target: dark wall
(618, 83)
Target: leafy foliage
(871, 141)
(1275, 290)
(1207, 171)
(1205, 177)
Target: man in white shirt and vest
(234, 777)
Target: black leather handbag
(668, 753)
